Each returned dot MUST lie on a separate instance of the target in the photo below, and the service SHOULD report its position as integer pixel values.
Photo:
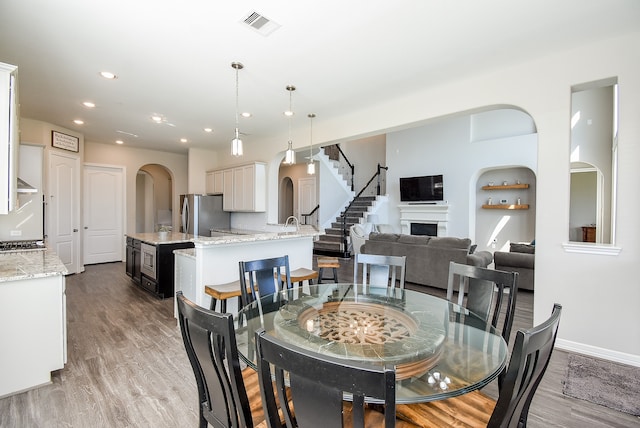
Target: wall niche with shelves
(504, 220)
(503, 204)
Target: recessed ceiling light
(119, 142)
(108, 75)
(288, 113)
(88, 104)
(156, 119)
(246, 114)
(183, 140)
(78, 122)
(208, 130)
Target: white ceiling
(173, 58)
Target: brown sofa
(427, 257)
(521, 259)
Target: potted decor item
(163, 231)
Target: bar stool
(223, 292)
(301, 274)
(328, 262)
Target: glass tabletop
(440, 349)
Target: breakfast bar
(214, 260)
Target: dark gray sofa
(427, 257)
(521, 259)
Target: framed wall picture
(64, 141)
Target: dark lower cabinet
(162, 285)
(133, 259)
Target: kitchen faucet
(294, 220)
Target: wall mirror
(594, 134)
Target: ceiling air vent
(260, 23)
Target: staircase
(330, 244)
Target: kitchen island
(33, 319)
(214, 260)
(150, 260)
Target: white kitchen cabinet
(33, 333)
(227, 193)
(244, 188)
(214, 184)
(9, 137)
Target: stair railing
(306, 216)
(343, 217)
(346, 159)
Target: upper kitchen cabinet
(215, 183)
(9, 137)
(243, 187)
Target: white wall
(200, 161)
(132, 159)
(444, 147)
(365, 154)
(599, 293)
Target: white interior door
(63, 203)
(103, 197)
(307, 200)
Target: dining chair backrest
(529, 360)
(380, 270)
(318, 384)
(487, 290)
(210, 342)
(263, 275)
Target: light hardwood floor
(127, 366)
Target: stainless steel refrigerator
(201, 213)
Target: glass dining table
(439, 349)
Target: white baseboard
(594, 351)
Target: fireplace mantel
(424, 213)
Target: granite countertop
(233, 236)
(158, 239)
(17, 265)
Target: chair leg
(212, 306)
(223, 306)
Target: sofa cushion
(390, 237)
(450, 242)
(522, 248)
(414, 239)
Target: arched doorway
(154, 196)
(285, 200)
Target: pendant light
(290, 155)
(236, 143)
(311, 167)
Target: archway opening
(154, 196)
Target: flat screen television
(427, 188)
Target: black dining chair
(486, 291)
(379, 270)
(227, 395)
(317, 387)
(264, 277)
(530, 357)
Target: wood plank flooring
(127, 366)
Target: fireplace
(419, 217)
(428, 229)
